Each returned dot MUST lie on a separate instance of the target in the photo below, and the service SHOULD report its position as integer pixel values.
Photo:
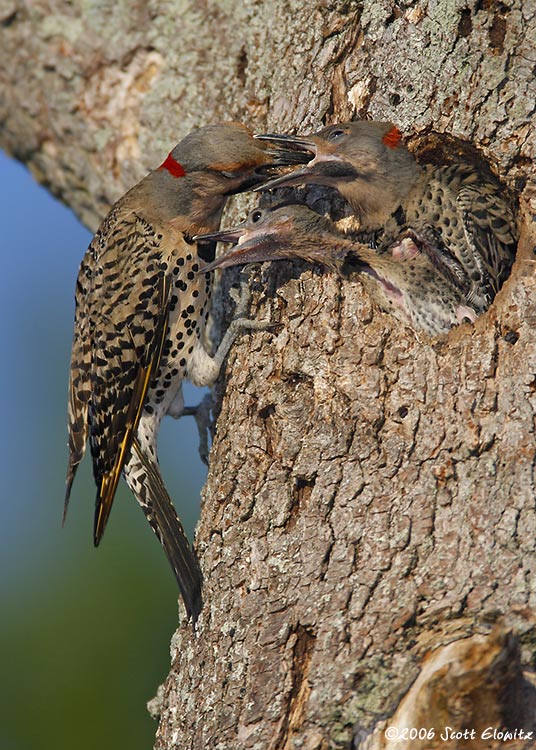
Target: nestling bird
(455, 215)
(404, 284)
(141, 308)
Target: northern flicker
(401, 282)
(454, 214)
(141, 308)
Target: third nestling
(407, 286)
(444, 237)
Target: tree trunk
(367, 530)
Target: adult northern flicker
(141, 308)
(454, 214)
(405, 284)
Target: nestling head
(281, 233)
(366, 161)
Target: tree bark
(367, 529)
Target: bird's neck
(376, 200)
(329, 248)
(191, 204)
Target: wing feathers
(126, 423)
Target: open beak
(322, 168)
(292, 150)
(260, 246)
(289, 142)
(287, 150)
(278, 158)
(226, 235)
(251, 180)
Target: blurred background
(84, 633)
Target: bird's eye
(335, 134)
(256, 216)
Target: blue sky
(75, 620)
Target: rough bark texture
(367, 532)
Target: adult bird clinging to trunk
(454, 214)
(405, 285)
(141, 307)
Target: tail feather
(165, 523)
(71, 471)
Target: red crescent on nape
(172, 166)
(392, 138)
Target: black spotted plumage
(461, 220)
(141, 306)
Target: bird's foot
(203, 419)
(241, 296)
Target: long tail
(162, 516)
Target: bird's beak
(257, 248)
(276, 158)
(324, 166)
(284, 157)
(294, 143)
(225, 235)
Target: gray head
(228, 148)
(365, 161)
(208, 165)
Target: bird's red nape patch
(393, 137)
(172, 166)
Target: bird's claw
(202, 415)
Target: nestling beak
(271, 169)
(259, 246)
(288, 150)
(323, 167)
(286, 232)
(225, 235)
(295, 142)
